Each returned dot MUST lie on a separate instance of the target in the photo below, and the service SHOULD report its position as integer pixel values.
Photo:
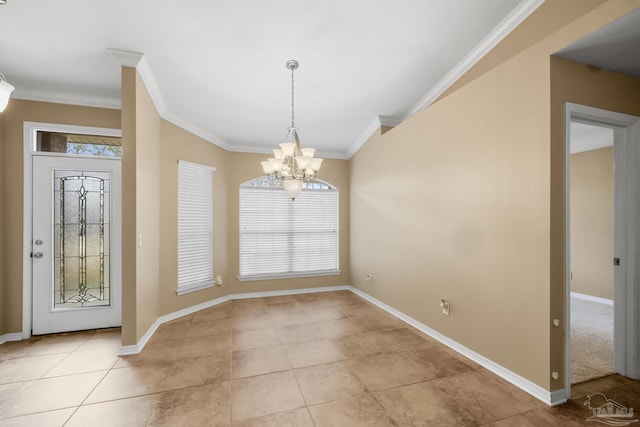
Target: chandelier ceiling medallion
(291, 165)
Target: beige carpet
(591, 340)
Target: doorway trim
(627, 236)
(30, 130)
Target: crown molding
(126, 58)
(332, 154)
(373, 127)
(389, 121)
(508, 24)
(138, 61)
(152, 86)
(66, 98)
(196, 130)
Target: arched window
(280, 237)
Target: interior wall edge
(3, 180)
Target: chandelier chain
(292, 103)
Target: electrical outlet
(370, 278)
(446, 306)
(219, 280)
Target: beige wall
(129, 206)
(454, 204)
(141, 208)
(465, 201)
(147, 209)
(3, 314)
(592, 222)
(11, 176)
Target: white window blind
(284, 238)
(195, 227)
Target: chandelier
(291, 165)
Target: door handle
(37, 255)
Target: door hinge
(616, 261)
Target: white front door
(76, 258)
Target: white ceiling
(615, 46)
(217, 68)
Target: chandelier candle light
(290, 164)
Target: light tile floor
(325, 359)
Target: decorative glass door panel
(81, 236)
(76, 266)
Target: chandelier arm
(298, 150)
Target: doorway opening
(602, 295)
(591, 196)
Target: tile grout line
(42, 377)
(92, 390)
(298, 382)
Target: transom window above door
(78, 144)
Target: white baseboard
(554, 398)
(557, 397)
(290, 292)
(591, 298)
(17, 336)
(128, 350)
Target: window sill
(187, 289)
(276, 276)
